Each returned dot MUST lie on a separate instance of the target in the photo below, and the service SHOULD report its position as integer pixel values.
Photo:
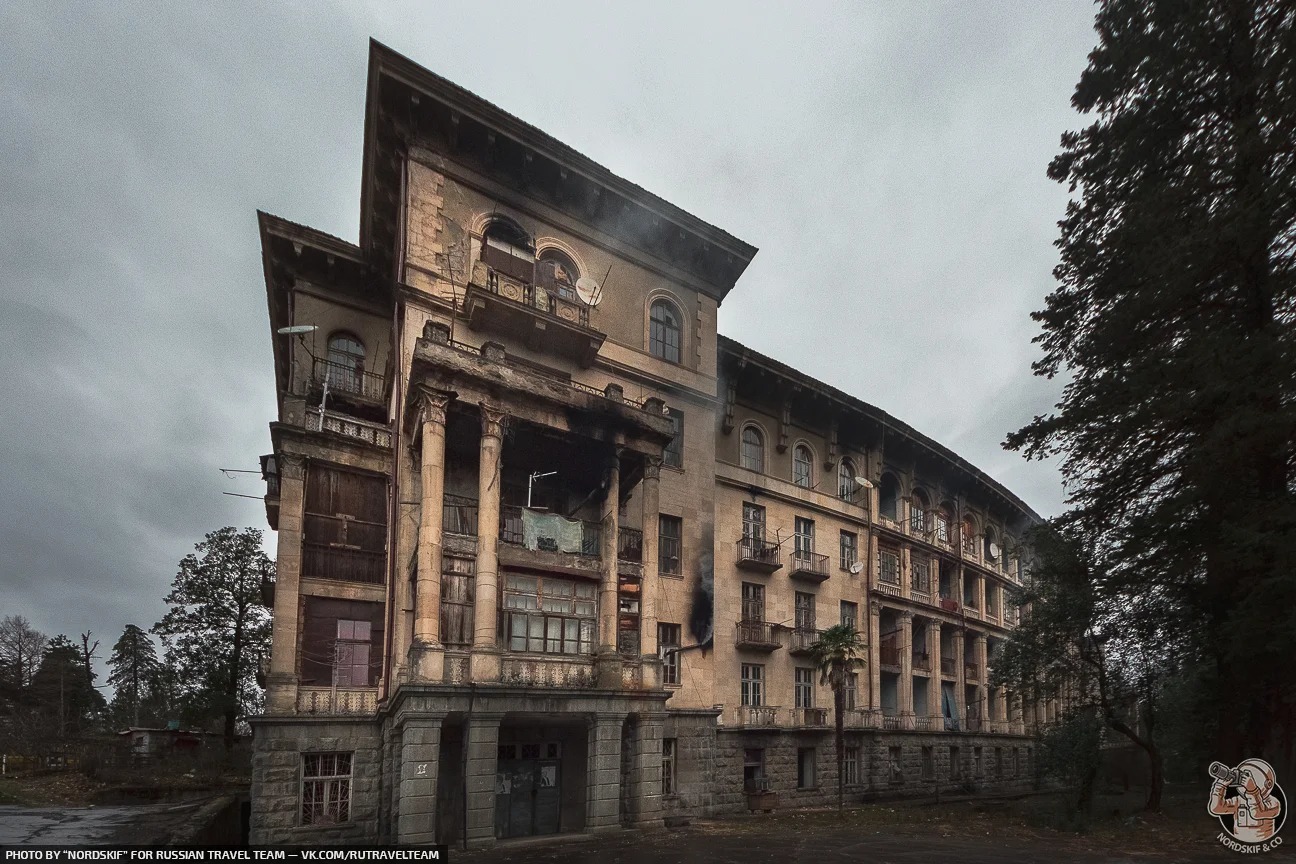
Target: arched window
(944, 523)
(918, 512)
(802, 466)
(346, 361)
(889, 497)
(752, 455)
(664, 331)
(846, 485)
(555, 271)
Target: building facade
(551, 551)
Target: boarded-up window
(342, 642)
(457, 579)
(345, 525)
(628, 593)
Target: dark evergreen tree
(64, 694)
(217, 630)
(134, 669)
(1173, 318)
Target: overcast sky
(888, 159)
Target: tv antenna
(536, 475)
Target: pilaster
(281, 690)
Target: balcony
(810, 718)
(543, 320)
(889, 653)
(927, 724)
(348, 381)
(320, 420)
(337, 701)
(888, 585)
(921, 661)
(892, 722)
(549, 532)
(758, 636)
(630, 545)
(948, 603)
(803, 638)
(809, 567)
(531, 672)
(343, 563)
(948, 667)
(758, 556)
(971, 671)
(862, 718)
(757, 716)
(459, 515)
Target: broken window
(344, 530)
(342, 642)
(668, 643)
(457, 588)
(673, 455)
(549, 615)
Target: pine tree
(64, 693)
(217, 629)
(1174, 316)
(135, 666)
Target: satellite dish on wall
(863, 482)
(856, 567)
(588, 291)
(994, 551)
(297, 329)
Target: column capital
(875, 608)
(291, 466)
(652, 468)
(981, 639)
(906, 616)
(433, 404)
(493, 420)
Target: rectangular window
(803, 687)
(888, 566)
(351, 654)
(754, 770)
(668, 766)
(805, 768)
(849, 549)
(753, 602)
(753, 522)
(803, 542)
(670, 540)
(920, 574)
(549, 615)
(850, 615)
(457, 592)
(896, 763)
(673, 455)
(992, 599)
(928, 763)
(804, 611)
(850, 765)
(753, 685)
(668, 643)
(341, 642)
(956, 766)
(851, 692)
(977, 767)
(344, 526)
(326, 788)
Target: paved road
(50, 826)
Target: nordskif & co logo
(1250, 805)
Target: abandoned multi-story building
(551, 551)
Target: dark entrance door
(527, 789)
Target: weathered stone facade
(552, 552)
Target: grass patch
(12, 793)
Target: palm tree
(837, 654)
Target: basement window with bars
(326, 788)
(668, 766)
(548, 615)
(850, 766)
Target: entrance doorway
(528, 789)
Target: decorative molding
(834, 448)
(493, 420)
(785, 420)
(434, 404)
(731, 397)
(652, 468)
(291, 466)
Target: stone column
(906, 670)
(403, 591)
(482, 741)
(420, 752)
(934, 682)
(651, 578)
(875, 655)
(982, 678)
(906, 574)
(646, 771)
(609, 661)
(427, 655)
(281, 689)
(603, 773)
(485, 660)
(960, 678)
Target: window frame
(664, 540)
(669, 749)
(847, 488)
(806, 768)
(747, 457)
(752, 685)
(547, 631)
(670, 661)
(803, 465)
(803, 687)
(659, 343)
(803, 534)
(844, 547)
(850, 766)
(324, 782)
(673, 453)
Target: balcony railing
(348, 380)
(512, 531)
(888, 583)
(757, 554)
(922, 661)
(459, 515)
(802, 640)
(343, 564)
(971, 671)
(531, 672)
(630, 545)
(809, 567)
(862, 718)
(892, 721)
(758, 635)
(350, 701)
(948, 666)
(927, 724)
(810, 718)
(551, 301)
(319, 420)
(889, 653)
(760, 716)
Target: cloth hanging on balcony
(543, 530)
